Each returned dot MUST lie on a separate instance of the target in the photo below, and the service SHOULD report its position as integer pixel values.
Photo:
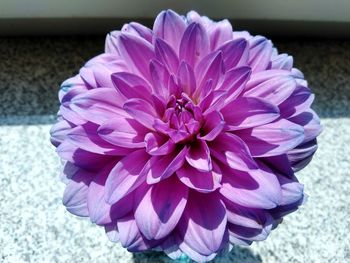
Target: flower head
(185, 138)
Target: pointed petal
(75, 193)
(166, 55)
(126, 176)
(158, 145)
(194, 44)
(275, 90)
(161, 208)
(141, 111)
(299, 101)
(86, 138)
(235, 53)
(170, 27)
(137, 29)
(260, 53)
(186, 78)
(273, 138)
(131, 86)
(123, 132)
(213, 126)
(310, 122)
(282, 61)
(234, 83)
(198, 156)
(162, 167)
(204, 182)
(137, 52)
(160, 78)
(98, 105)
(220, 33)
(256, 188)
(203, 224)
(247, 112)
(59, 132)
(232, 151)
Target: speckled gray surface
(34, 226)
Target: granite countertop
(34, 226)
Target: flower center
(183, 117)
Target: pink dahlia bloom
(185, 137)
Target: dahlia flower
(185, 138)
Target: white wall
(310, 10)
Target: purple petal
(220, 33)
(86, 138)
(131, 86)
(292, 190)
(162, 167)
(246, 112)
(194, 44)
(234, 82)
(301, 155)
(75, 194)
(137, 52)
(170, 27)
(273, 138)
(260, 53)
(235, 53)
(198, 156)
(98, 105)
(282, 61)
(260, 77)
(203, 224)
(213, 126)
(141, 111)
(186, 78)
(310, 122)
(126, 176)
(161, 208)
(210, 67)
(158, 145)
(256, 188)
(160, 78)
(59, 132)
(166, 55)
(137, 29)
(232, 151)
(299, 101)
(123, 132)
(204, 182)
(275, 90)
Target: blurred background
(44, 42)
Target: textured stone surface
(34, 226)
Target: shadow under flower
(237, 255)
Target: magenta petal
(260, 53)
(137, 52)
(162, 167)
(213, 126)
(123, 132)
(75, 194)
(125, 176)
(131, 86)
(170, 27)
(235, 53)
(220, 33)
(59, 131)
(161, 208)
(86, 138)
(234, 82)
(98, 105)
(129, 233)
(141, 111)
(112, 232)
(198, 156)
(273, 138)
(204, 182)
(158, 145)
(275, 90)
(246, 112)
(210, 67)
(186, 78)
(166, 55)
(256, 188)
(194, 44)
(203, 224)
(232, 151)
(160, 78)
(138, 30)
